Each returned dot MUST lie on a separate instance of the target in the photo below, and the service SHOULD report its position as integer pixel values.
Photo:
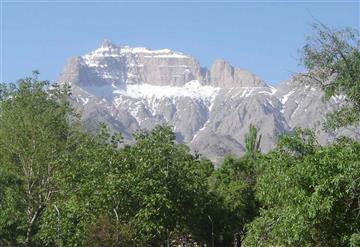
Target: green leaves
(155, 186)
(342, 117)
(167, 183)
(333, 60)
(252, 142)
(34, 132)
(233, 183)
(305, 194)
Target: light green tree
(34, 131)
(310, 193)
(332, 58)
(94, 198)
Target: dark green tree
(151, 193)
(252, 142)
(169, 186)
(234, 184)
(309, 194)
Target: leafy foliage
(234, 184)
(155, 189)
(34, 130)
(167, 185)
(333, 60)
(309, 193)
(252, 142)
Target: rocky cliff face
(119, 66)
(223, 75)
(209, 109)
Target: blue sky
(261, 36)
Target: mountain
(210, 109)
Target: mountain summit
(209, 109)
(123, 65)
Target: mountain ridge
(210, 109)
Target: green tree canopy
(150, 193)
(34, 131)
(309, 194)
(233, 183)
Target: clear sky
(261, 36)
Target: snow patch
(296, 109)
(127, 49)
(192, 89)
(270, 102)
(135, 110)
(84, 100)
(286, 97)
(265, 92)
(338, 99)
(203, 128)
(172, 55)
(273, 90)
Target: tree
(309, 194)
(93, 194)
(150, 193)
(234, 184)
(169, 185)
(34, 129)
(252, 142)
(332, 58)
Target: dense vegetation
(60, 186)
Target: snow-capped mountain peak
(210, 109)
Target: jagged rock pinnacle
(106, 44)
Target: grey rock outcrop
(223, 75)
(303, 106)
